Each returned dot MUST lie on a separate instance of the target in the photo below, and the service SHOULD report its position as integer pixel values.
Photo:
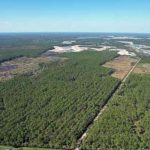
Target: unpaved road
(105, 106)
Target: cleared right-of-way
(84, 135)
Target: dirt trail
(132, 69)
(84, 135)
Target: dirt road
(105, 106)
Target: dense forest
(19, 45)
(53, 108)
(125, 123)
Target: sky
(75, 16)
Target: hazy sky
(75, 16)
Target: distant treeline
(30, 45)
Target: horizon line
(75, 32)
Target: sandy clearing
(121, 66)
(77, 48)
(143, 68)
(145, 49)
(123, 52)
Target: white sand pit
(77, 48)
(64, 49)
(123, 52)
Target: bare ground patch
(21, 65)
(121, 65)
(142, 68)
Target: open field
(78, 48)
(121, 66)
(22, 65)
(142, 68)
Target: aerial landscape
(74, 86)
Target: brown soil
(121, 65)
(21, 65)
(142, 68)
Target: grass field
(121, 66)
(142, 68)
(23, 65)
